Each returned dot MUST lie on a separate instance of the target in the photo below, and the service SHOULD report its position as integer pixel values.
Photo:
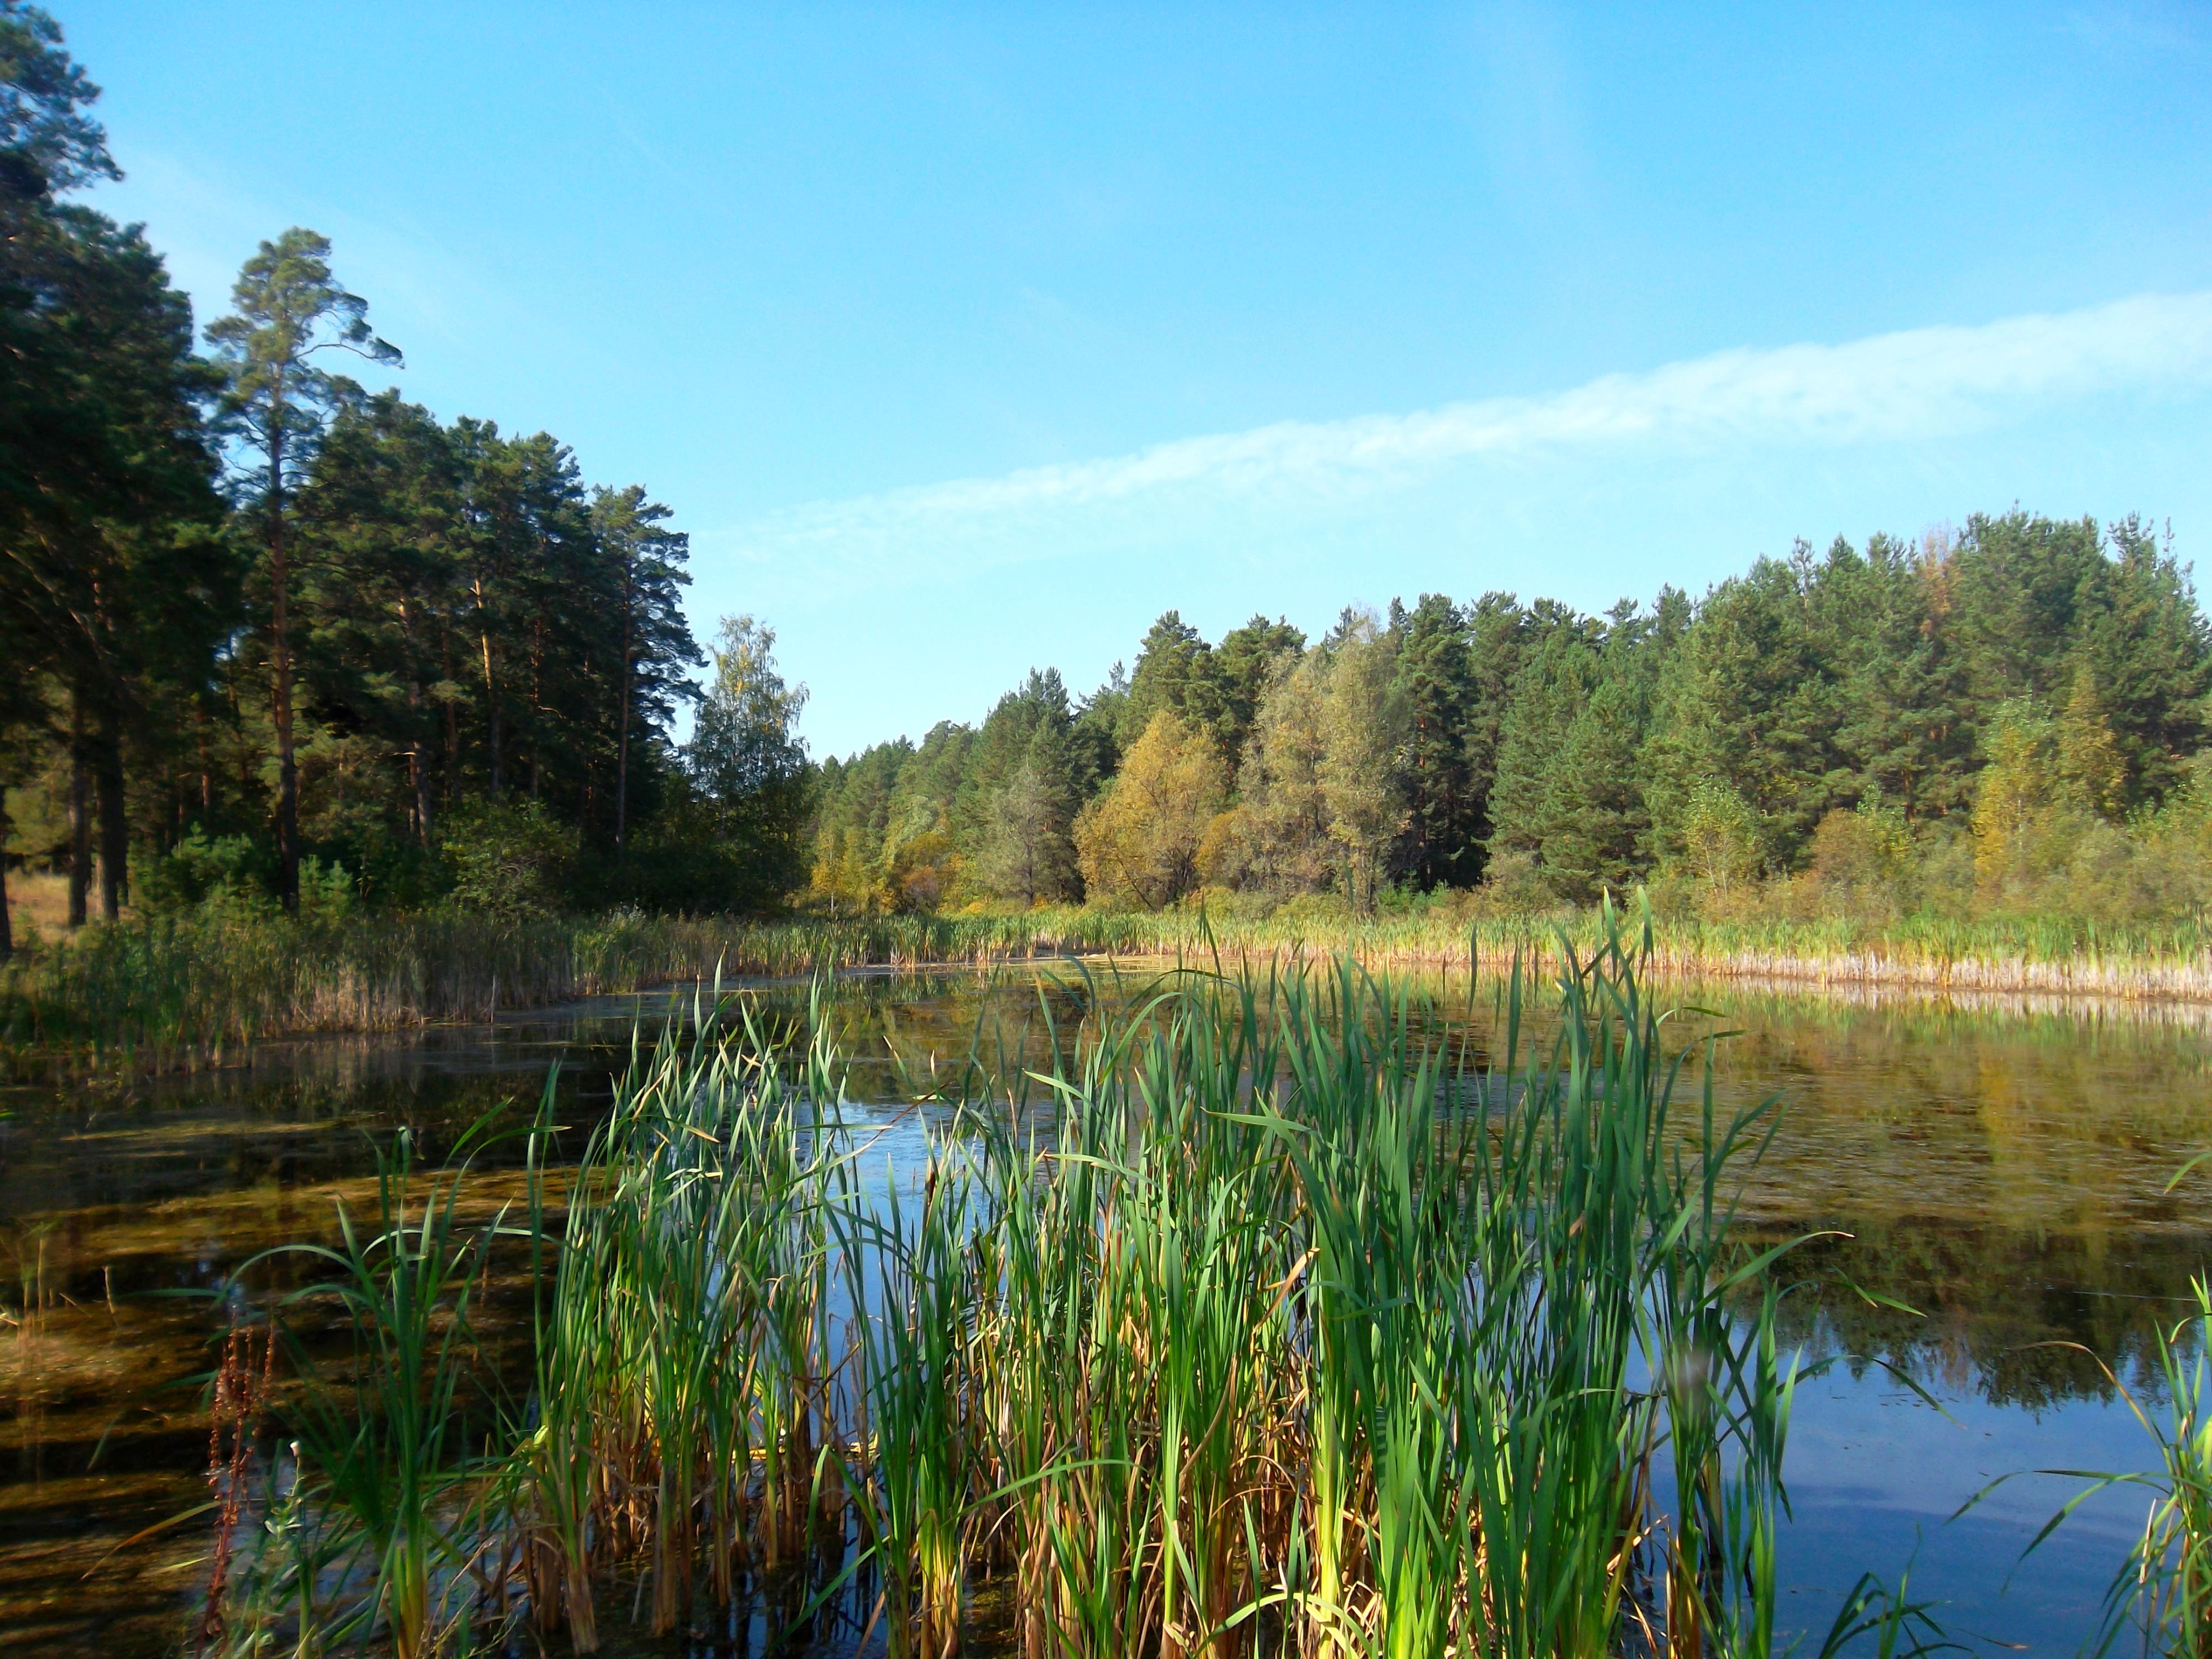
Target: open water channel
(2001, 1168)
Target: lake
(1999, 1169)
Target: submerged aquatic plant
(1266, 1320)
(371, 1522)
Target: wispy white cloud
(1919, 383)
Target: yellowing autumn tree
(1359, 729)
(2090, 765)
(1138, 841)
(1280, 842)
(2029, 811)
(1720, 831)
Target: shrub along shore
(181, 990)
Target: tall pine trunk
(538, 708)
(491, 695)
(114, 820)
(418, 767)
(80, 881)
(621, 747)
(287, 773)
(7, 928)
(418, 758)
(450, 777)
(492, 735)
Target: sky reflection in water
(2001, 1169)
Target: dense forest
(282, 642)
(272, 636)
(2009, 718)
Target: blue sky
(963, 339)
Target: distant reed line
(184, 989)
(2050, 960)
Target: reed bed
(2039, 956)
(1265, 1320)
(179, 990)
(182, 989)
(188, 986)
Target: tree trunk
(418, 762)
(492, 736)
(7, 928)
(115, 821)
(80, 882)
(207, 780)
(451, 777)
(538, 709)
(621, 749)
(491, 697)
(419, 765)
(287, 773)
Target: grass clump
(1268, 1319)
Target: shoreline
(177, 996)
(1864, 978)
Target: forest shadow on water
(1998, 1250)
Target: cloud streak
(1919, 383)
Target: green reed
(172, 990)
(376, 1523)
(2161, 1594)
(1263, 1321)
(2165, 1588)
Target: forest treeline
(273, 637)
(279, 641)
(2011, 718)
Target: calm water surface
(2001, 1168)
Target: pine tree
(2090, 768)
(2023, 588)
(1901, 724)
(1176, 673)
(1027, 854)
(378, 519)
(1437, 684)
(289, 309)
(110, 580)
(1243, 666)
(1597, 823)
(656, 646)
(1557, 675)
(2149, 650)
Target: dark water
(1999, 1169)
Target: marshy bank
(2006, 1176)
(181, 990)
